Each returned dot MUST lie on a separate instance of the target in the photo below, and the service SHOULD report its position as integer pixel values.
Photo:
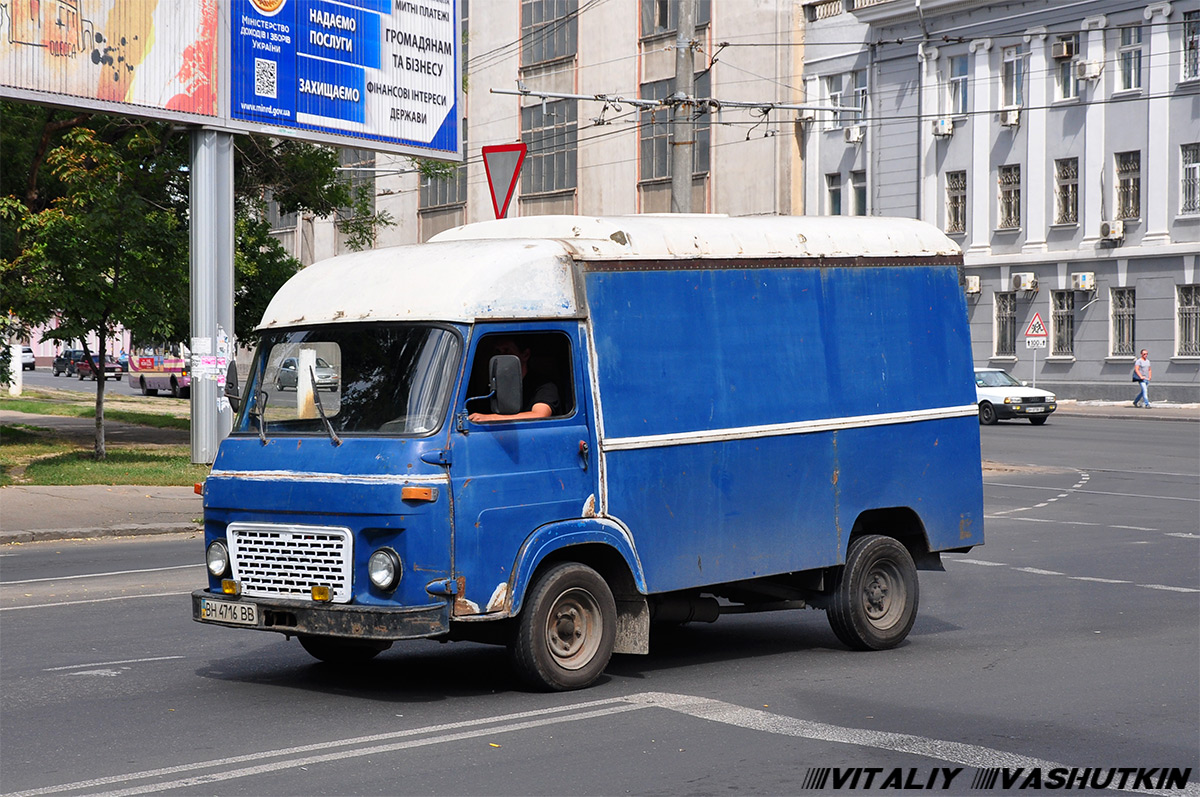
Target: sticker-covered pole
(211, 230)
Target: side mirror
(504, 375)
(231, 387)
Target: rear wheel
(174, 388)
(987, 414)
(146, 391)
(567, 630)
(1038, 421)
(875, 594)
(342, 651)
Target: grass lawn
(166, 414)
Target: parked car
(28, 363)
(286, 379)
(1000, 397)
(64, 363)
(85, 368)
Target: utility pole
(683, 129)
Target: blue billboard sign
(382, 72)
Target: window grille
(1129, 58)
(1066, 191)
(551, 138)
(1122, 308)
(1189, 186)
(1006, 324)
(1062, 319)
(956, 201)
(833, 191)
(1010, 197)
(1129, 185)
(957, 85)
(549, 30)
(1191, 45)
(1189, 320)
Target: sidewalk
(30, 513)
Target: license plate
(227, 612)
(1035, 409)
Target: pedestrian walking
(1141, 375)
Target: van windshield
(368, 379)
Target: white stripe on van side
(781, 429)
(338, 478)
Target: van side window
(546, 366)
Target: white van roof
(526, 267)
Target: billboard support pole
(211, 267)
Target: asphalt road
(44, 377)
(1071, 638)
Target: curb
(97, 532)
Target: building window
(1189, 178)
(1129, 185)
(1014, 77)
(858, 184)
(1121, 307)
(1129, 58)
(1189, 320)
(1062, 321)
(549, 30)
(956, 96)
(833, 194)
(660, 17)
(654, 131)
(1010, 197)
(1066, 191)
(1066, 85)
(859, 78)
(549, 131)
(1191, 45)
(447, 191)
(833, 94)
(1006, 324)
(956, 201)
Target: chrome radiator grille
(284, 561)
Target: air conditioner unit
(973, 283)
(943, 128)
(1063, 48)
(1083, 281)
(1088, 70)
(1010, 117)
(1024, 281)
(854, 135)
(1112, 230)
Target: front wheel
(987, 414)
(1038, 421)
(875, 594)
(567, 630)
(342, 651)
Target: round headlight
(383, 568)
(1049, 398)
(217, 559)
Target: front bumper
(1024, 410)
(335, 619)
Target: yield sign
(1036, 328)
(503, 164)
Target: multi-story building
(1058, 143)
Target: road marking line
(980, 562)
(1094, 492)
(111, 663)
(1134, 528)
(1167, 588)
(91, 600)
(1039, 572)
(1100, 580)
(1184, 534)
(701, 708)
(1055, 522)
(99, 575)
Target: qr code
(265, 77)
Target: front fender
(564, 534)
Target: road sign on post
(502, 164)
(1035, 338)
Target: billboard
(372, 74)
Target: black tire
(1038, 421)
(55, 371)
(875, 595)
(146, 391)
(566, 632)
(174, 388)
(342, 651)
(987, 414)
(80, 374)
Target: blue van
(553, 432)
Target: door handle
(583, 454)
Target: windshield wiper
(259, 412)
(337, 441)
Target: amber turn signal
(320, 593)
(418, 493)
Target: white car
(1000, 397)
(28, 363)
